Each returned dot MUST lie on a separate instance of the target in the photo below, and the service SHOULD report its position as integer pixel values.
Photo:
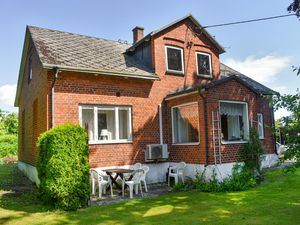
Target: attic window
(29, 69)
(203, 64)
(174, 60)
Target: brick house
(168, 87)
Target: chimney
(138, 33)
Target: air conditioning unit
(156, 151)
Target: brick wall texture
(73, 89)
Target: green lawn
(276, 201)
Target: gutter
(55, 72)
(102, 72)
(205, 126)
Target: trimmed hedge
(63, 167)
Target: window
(203, 64)
(234, 121)
(185, 124)
(174, 59)
(29, 69)
(260, 125)
(106, 124)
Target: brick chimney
(138, 33)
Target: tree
(291, 123)
(294, 7)
(11, 123)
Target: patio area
(153, 191)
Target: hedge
(63, 167)
(8, 145)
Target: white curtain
(233, 127)
(231, 109)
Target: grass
(276, 201)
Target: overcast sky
(265, 51)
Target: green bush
(8, 145)
(241, 179)
(251, 153)
(63, 167)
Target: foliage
(251, 153)
(11, 123)
(240, 179)
(291, 123)
(63, 167)
(8, 145)
(294, 7)
(8, 134)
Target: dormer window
(174, 60)
(29, 69)
(203, 64)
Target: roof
(228, 74)
(84, 53)
(189, 16)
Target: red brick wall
(35, 90)
(234, 91)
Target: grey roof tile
(78, 51)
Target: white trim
(260, 115)
(172, 119)
(182, 95)
(160, 125)
(121, 141)
(246, 125)
(182, 61)
(116, 109)
(187, 143)
(210, 64)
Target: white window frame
(260, 115)
(30, 69)
(210, 64)
(246, 119)
(182, 61)
(96, 108)
(172, 120)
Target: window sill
(210, 77)
(110, 142)
(191, 143)
(233, 142)
(174, 72)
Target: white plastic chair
(103, 180)
(134, 183)
(143, 178)
(176, 172)
(136, 166)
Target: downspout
(160, 124)
(205, 126)
(55, 71)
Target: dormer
(183, 48)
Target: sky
(265, 51)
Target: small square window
(203, 64)
(174, 59)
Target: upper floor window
(106, 124)
(29, 69)
(260, 125)
(203, 64)
(174, 60)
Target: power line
(249, 21)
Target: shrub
(8, 145)
(251, 153)
(63, 167)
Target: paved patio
(153, 190)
